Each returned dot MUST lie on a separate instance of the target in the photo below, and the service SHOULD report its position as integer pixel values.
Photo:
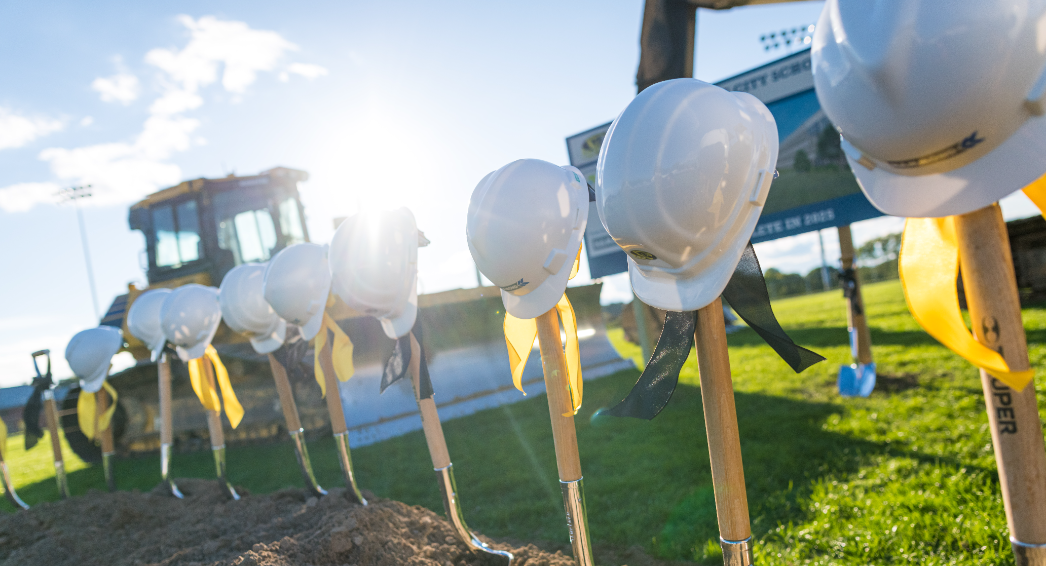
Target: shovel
(857, 379)
(9, 486)
(214, 427)
(294, 428)
(441, 459)
(163, 368)
(568, 461)
(51, 418)
(724, 439)
(338, 426)
(106, 437)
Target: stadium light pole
(74, 195)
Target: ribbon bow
(205, 389)
(928, 266)
(86, 407)
(520, 334)
(746, 292)
(33, 406)
(341, 350)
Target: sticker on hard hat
(949, 152)
(517, 285)
(640, 254)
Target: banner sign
(815, 189)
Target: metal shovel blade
(449, 490)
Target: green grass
(905, 476)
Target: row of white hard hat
(941, 112)
(682, 176)
(372, 266)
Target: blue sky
(387, 103)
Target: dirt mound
(284, 528)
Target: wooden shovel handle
(106, 436)
(330, 380)
(51, 420)
(429, 417)
(214, 418)
(283, 387)
(855, 315)
(163, 369)
(554, 366)
(991, 293)
(724, 440)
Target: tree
(802, 162)
(829, 148)
(879, 250)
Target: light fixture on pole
(788, 39)
(75, 194)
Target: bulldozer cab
(197, 231)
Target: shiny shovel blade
(857, 380)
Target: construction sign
(815, 190)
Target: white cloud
(122, 88)
(24, 196)
(124, 171)
(17, 130)
(86, 121)
(308, 70)
(241, 50)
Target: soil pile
(288, 527)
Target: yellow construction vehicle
(196, 231)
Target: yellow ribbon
(205, 390)
(86, 406)
(520, 334)
(928, 266)
(341, 351)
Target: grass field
(905, 476)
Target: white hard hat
(681, 179)
(525, 224)
(245, 311)
(297, 283)
(940, 105)
(143, 320)
(189, 317)
(89, 354)
(374, 264)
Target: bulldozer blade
(302, 453)
(452, 506)
(341, 440)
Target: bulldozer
(198, 230)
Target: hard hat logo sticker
(967, 143)
(640, 254)
(517, 285)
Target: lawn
(905, 476)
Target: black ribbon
(35, 404)
(848, 281)
(398, 365)
(291, 355)
(746, 292)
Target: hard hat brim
(94, 383)
(272, 341)
(1011, 166)
(543, 298)
(692, 293)
(193, 353)
(157, 350)
(398, 326)
(311, 328)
